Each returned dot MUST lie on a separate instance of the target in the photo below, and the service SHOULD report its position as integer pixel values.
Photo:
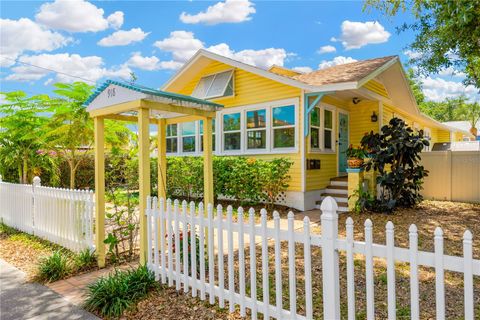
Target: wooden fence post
(330, 262)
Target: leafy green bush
(54, 267)
(244, 179)
(110, 296)
(395, 154)
(85, 259)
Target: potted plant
(355, 157)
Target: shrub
(395, 153)
(85, 259)
(110, 296)
(275, 178)
(53, 268)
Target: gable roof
(348, 72)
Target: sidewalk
(21, 300)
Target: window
(328, 129)
(213, 135)
(188, 136)
(428, 135)
(283, 127)
(256, 129)
(215, 86)
(231, 131)
(172, 140)
(315, 128)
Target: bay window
(283, 120)
(232, 131)
(256, 129)
(172, 138)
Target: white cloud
(335, 62)
(115, 20)
(77, 16)
(230, 11)
(302, 69)
(438, 89)
(358, 34)
(183, 45)
(412, 54)
(17, 36)
(143, 63)
(327, 49)
(452, 72)
(123, 37)
(89, 67)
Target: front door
(342, 141)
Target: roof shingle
(349, 72)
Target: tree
(395, 155)
(22, 132)
(416, 86)
(471, 113)
(447, 34)
(71, 128)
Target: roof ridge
(353, 62)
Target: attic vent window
(215, 86)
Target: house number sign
(111, 93)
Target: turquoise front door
(342, 142)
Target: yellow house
(310, 118)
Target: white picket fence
(62, 216)
(171, 227)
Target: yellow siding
(252, 89)
(360, 120)
(319, 179)
(443, 135)
(376, 87)
(458, 136)
(249, 88)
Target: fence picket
(265, 271)
(291, 266)
(148, 213)
(185, 246)
(163, 232)
(231, 266)
(439, 274)
(201, 216)
(211, 265)
(467, 274)
(278, 264)
(220, 253)
(156, 241)
(241, 261)
(350, 270)
(414, 286)
(176, 234)
(169, 241)
(369, 270)
(308, 268)
(253, 265)
(392, 308)
(193, 248)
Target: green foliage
(110, 296)
(396, 155)
(365, 201)
(244, 179)
(54, 267)
(447, 34)
(358, 153)
(189, 252)
(85, 259)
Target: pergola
(146, 106)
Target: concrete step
(342, 206)
(336, 190)
(339, 183)
(341, 178)
(339, 197)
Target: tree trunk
(25, 170)
(73, 171)
(20, 174)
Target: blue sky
(110, 39)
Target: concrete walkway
(21, 300)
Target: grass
(110, 296)
(54, 267)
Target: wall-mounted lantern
(374, 117)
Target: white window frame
(428, 135)
(269, 141)
(181, 136)
(294, 126)
(267, 121)
(322, 149)
(200, 135)
(320, 132)
(241, 131)
(230, 78)
(322, 123)
(174, 137)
